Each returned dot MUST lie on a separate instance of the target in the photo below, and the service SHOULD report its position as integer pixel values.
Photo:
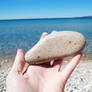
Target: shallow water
(24, 34)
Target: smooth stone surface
(55, 46)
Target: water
(24, 34)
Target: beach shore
(80, 80)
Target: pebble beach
(80, 80)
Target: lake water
(25, 33)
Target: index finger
(19, 61)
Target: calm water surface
(24, 34)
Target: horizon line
(47, 18)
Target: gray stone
(55, 46)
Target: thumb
(67, 71)
(19, 61)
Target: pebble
(55, 46)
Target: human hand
(39, 78)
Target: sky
(20, 9)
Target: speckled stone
(55, 46)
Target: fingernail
(19, 50)
(54, 31)
(45, 33)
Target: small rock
(55, 46)
(81, 78)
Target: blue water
(24, 34)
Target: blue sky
(16, 9)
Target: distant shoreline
(83, 17)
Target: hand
(39, 78)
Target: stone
(55, 46)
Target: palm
(46, 78)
